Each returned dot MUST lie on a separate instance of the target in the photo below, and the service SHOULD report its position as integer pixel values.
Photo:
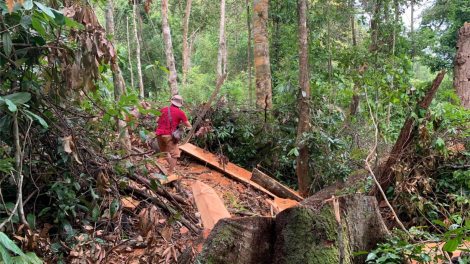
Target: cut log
(273, 186)
(239, 240)
(229, 169)
(208, 204)
(408, 132)
(302, 234)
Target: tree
(462, 66)
(118, 81)
(137, 52)
(170, 59)
(248, 51)
(261, 54)
(303, 168)
(221, 54)
(186, 51)
(129, 55)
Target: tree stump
(305, 234)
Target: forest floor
(173, 238)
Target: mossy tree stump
(303, 234)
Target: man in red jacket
(164, 131)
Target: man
(164, 131)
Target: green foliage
(7, 246)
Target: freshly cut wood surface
(231, 169)
(273, 186)
(209, 205)
(285, 203)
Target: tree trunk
(250, 87)
(170, 59)
(137, 53)
(236, 32)
(129, 53)
(118, 81)
(329, 234)
(220, 56)
(462, 66)
(395, 21)
(261, 53)
(141, 33)
(186, 52)
(387, 176)
(303, 168)
(227, 41)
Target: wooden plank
(208, 204)
(273, 186)
(231, 169)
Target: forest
(323, 131)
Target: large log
(305, 234)
(387, 175)
(273, 186)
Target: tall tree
(261, 54)
(462, 66)
(186, 52)
(118, 81)
(303, 170)
(220, 57)
(250, 87)
(141, 33)
(137, 52)
(170, 59)
(129, 55)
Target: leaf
(67, 226)
(451, 245)
(154, 184)
(38, 26)
(45, 9)
(5, 255)
(18, 98)
(40, 119)
(360, 253)
(10, 245)
(143, 136)
(95, 213)
(7, 43)
(31, 220)
(11, 106)
(25, 22)
(131, 97)
(114, 207)
(20, 62)
(28, 4)
(149, 66)
(44, 211)
(59, 17)
(105, 119)
(439, 223)
(10, 4)
(371, 256)
(164, 69)
(71, 23)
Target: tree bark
(137, 53)
(250, 87)
(303, 168)
(330, 234)
(395, 21)
(170, 59)
(462, 66)
(221, 53)
(261, 55)
(387, 176)
(129, 53)
(186, 52)
(118, 81)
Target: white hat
(177, 100)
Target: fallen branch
(142, 195)
(159, 191)
(387, 177)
